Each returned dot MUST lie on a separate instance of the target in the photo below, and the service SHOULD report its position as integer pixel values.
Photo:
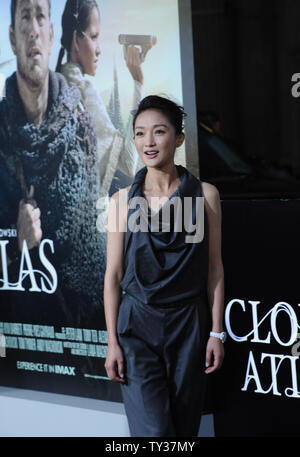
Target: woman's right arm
(116, 226)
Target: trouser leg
(185, 361)
(145, 394)
(164, 351)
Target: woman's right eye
(138, 133)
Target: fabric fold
(161, 267)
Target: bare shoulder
(118, 209)
(212, 205)
(121, 196)
(210, 193)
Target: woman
(80, 39)
(160, 347)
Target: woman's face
(88, 49)
(155, 138)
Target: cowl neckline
(160, 265)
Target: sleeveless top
(160, 266)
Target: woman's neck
(72, 58)
(160, 181)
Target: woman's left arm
(215, 282)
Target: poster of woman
(71, 75)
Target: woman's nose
(150, 141)
(98, 49)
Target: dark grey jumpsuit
(164, 321)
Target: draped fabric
(160, 266)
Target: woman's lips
(151, 154)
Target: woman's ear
(180, 139)
(75, 41)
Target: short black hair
(13, 9)
(173, 112)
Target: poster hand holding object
(135, 56)
(29, 222)
(133, 62)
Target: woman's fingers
(121, 368)
(214, 355)
(114, 365)
(110, 369)
(208, 360)
(113, 373)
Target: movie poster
(52, 326)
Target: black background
(261, 256)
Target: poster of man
(71, 75)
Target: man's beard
(33, 75)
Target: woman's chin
(91, 72)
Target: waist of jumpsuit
(174, 304)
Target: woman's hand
(114, 363)
(214, 354)
(134, 64)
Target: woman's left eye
(159, 131)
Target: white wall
(28, 413)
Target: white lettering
(275, 363)
(273, 312)
(61, 369)
(274, 370)
(294, 389)
(296, 87)
(254, 375)
(25, 272)
(4, 264)
(166, 217)
(49, 267)
(26, 269)
(282, 306)
(256, 324)
(227, 319)
(141, 215)
(188, 222)
(125, 447)
(281, 335)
